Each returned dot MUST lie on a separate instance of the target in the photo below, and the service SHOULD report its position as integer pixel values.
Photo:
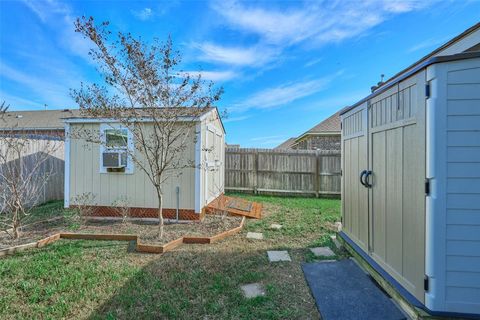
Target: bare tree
(144, 90)
(24, 173)
(3, 108)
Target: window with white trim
(116, 148)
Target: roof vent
(379, 84)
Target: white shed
(411, 179)
(88, 180)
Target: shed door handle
(362, 174)
(367, 184)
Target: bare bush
(122, 207)
(84, 205)
(24, 173)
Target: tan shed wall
(388, 220)
(106, 188)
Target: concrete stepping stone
(253, 290)
(275, 256)
(255, 235)
(322, 252)
(276, 226)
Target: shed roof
(54, 119)
(144, 112)
(38, 120)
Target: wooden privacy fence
(54, 165)
(267, 171)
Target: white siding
(453, 236)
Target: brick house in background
(324, 136)
(287, 144)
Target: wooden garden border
(140, 247)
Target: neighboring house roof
(329, 126)
(36, 120)
(286, 144)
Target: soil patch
(34, 232)
(147, 231)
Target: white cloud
(237, 56)
(428, 43)
(235, 119)
(59, 17)
(214, 75)
(53, 93)
(317, 22)
(311, 23)
(268, 141)
(18, 103)
(313, 62)
(144, 14)
(284, 94)
(337, 102)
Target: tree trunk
(15, 225)
(160, 215)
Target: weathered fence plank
(54, 165)
(283, 171)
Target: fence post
(255, 188)
(317, 174)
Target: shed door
(213, 163)
(397, 196)
(355, 196)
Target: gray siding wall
(463, 189)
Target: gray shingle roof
(286, 144)
(329, 125)
(42, 119)
(47, 119)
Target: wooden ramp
(235, 206)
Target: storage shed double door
(384, 180)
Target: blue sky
(285, 65)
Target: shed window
(116, 138)
(117, 143)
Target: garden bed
(147, 232)
(34, 232)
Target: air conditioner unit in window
(117, 159)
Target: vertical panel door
(396, 142)
(354, 162)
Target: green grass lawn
(100, 280)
